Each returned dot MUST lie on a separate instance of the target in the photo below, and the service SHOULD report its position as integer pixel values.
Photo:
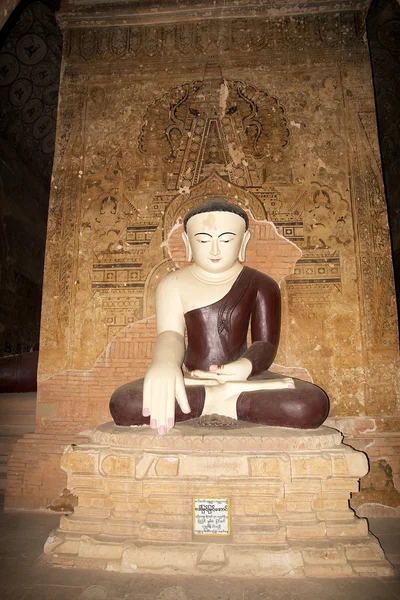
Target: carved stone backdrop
(276, 114)
(131, 182)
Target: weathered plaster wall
(278, 112)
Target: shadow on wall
(383, 29)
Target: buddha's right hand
(163, 384)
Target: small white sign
(211, 516)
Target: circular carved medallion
(382, 63)
(388, 102)
(14, 133)
(50, 94)
(20, 92)
(26, 148)
(389, 34)
(44, 74)
(9, 68)
(48, 143)
(42, 127)
(31, 49)
(32, 110)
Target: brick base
(35, 478)
(289, 492)
(379, 494)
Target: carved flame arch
(214, 185)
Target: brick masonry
(289, 493)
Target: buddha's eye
(226, 236)
(206, 241)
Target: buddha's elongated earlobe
(243, 246)
(189, 255)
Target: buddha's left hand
(239, 370)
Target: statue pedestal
(288, 493)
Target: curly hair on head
(216, 204)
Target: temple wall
(275, 112)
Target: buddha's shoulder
(173, 280)
(263, 281)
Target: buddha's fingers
(236, 387)
(158, 406)
(221, 372)
(196, 381)
(217, 369)
(204, 375)
(238, 370)
(162, 400)
(146, 408)
(169, 415)
(180, 394)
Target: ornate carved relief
(318, 220)
(215, 125)
(376, 265)
(207, 38)
(375, 268)
(61, 261)
(124, 229)
(213, 185)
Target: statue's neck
(216, 278)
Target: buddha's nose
(215, 248)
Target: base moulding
(289, 503)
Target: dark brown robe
(217, 334)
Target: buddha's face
(217, 240)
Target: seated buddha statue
(214, 301)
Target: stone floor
(22, 577)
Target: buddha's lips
(215, 259)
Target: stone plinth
(288, 490)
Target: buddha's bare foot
(221, 399)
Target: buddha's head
(216, 235)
